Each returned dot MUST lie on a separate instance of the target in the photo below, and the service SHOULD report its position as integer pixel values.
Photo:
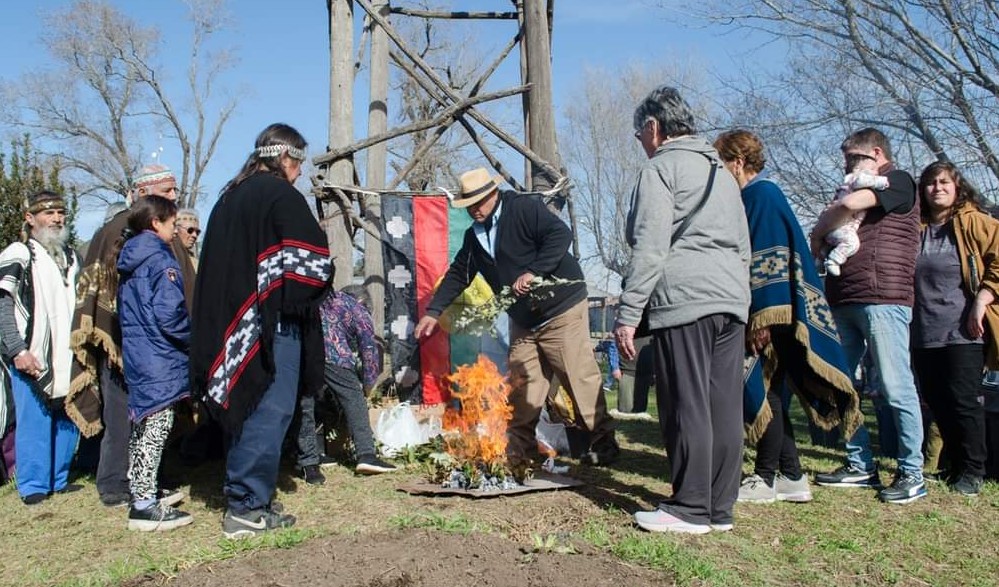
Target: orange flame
(476, 433)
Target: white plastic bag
(552, 434)
(431, 428)
(397, 428)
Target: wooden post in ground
(336, 221)
(541, 118)
(376, 165)
(526, 98)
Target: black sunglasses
(193, 230)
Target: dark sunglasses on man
(189, 230)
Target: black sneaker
(906, 488)
(968, 485)
(114, 500)
(312, 475)
(372, 465)
(157, 518)
(255, 522)
(849, 476)
(34, 498)
(327, 461)
(602, 453)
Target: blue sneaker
(906, 488)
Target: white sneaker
(660, 521)
(793, 491)
(755, 490)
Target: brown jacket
(978, 248)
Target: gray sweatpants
(699, 389)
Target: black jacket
(529, 238)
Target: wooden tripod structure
(336, 183)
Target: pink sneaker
(660, 521)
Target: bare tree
(924, 70)
(598, 144)
(107, 89)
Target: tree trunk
(336, 220)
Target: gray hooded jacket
(707, 270)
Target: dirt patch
(414, 558)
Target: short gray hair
(670, 111)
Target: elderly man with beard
(37, 295)
(96, 342)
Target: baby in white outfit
(843, 242)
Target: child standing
(843, 241)
(155, 331)
(349, 333)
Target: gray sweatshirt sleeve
(649, 229)
(11, 342)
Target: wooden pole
(374, 279)
(525, 99)
(541, 128)
(336, 221)
(539, 161)
(452, 15)
(452, 111)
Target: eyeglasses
(189, 230)
(638, 133)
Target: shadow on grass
(605, 487)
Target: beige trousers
(562, 348)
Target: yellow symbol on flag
(476, 294)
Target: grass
(844, 537)
(454, 524)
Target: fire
(475, 433)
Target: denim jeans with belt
(883, 329)
(251, 468)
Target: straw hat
(475, 185)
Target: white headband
(276, 150)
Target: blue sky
(282, 50)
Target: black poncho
(264, 258)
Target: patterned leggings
(145, 449)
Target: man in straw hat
(37, 295)
(514, 241)
(96, 342)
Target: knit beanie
(151, 175)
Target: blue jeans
(44, 440)
(883, 329)
(251, 467)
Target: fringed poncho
(786, 291)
